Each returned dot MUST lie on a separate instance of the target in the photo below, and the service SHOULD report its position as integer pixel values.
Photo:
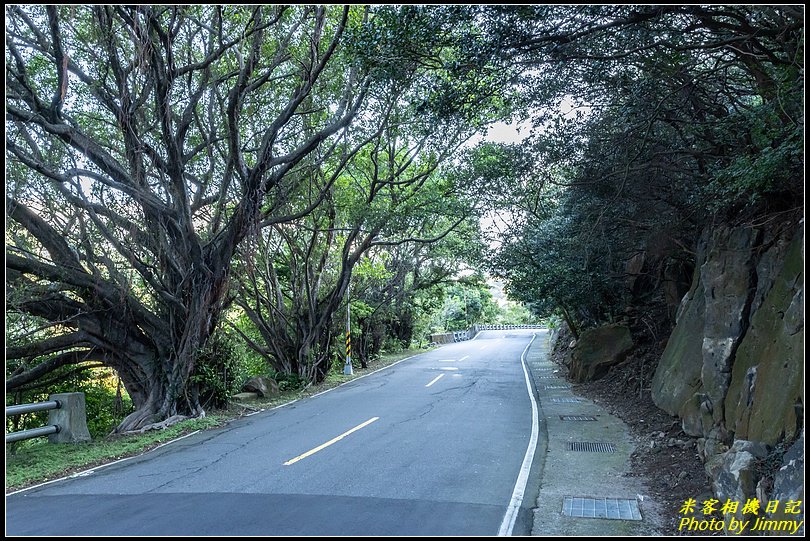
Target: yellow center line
(330, 442)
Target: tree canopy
(147, 143)
(178, 173)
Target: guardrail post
(70, 417)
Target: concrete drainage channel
(585, 489)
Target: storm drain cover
(557, 387)
(613, 508)
(577, 418)
(591, 447)
(546, 377)
(566, 400)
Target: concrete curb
(582, 474)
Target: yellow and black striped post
(347, 368)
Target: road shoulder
(579, 468)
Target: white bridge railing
(460, 336)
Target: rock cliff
(733, 367)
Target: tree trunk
(169, 390)
(569, 321)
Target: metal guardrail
(460, 336)
(507, 327)
(20, 409)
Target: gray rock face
(677, 378)
(734, 472)
(263, 386)
(733, 368)
(726, 277)
(598, 349)
(766, 385)
(788, 483)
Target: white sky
(515, 132)
(501, 132)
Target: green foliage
(681, 115)
(675, 129)
(289, 382)
(770, 161)
(105, 406)
(37, 460)
(515, 313)
(222, 367)
(466, 302)
(106, 403)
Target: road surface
(431, 446)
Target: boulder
(788, 482)
(263, 386)
(598, 349)
(733, 473)
(676, 381)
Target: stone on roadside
(263, 386)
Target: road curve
(431, 446)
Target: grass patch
(333, 379)
(36, 461)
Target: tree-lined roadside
(160, 154)
(201, 194)
(40, 462)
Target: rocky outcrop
(733, 473)
(598, 349)
(676, 383)
(764, 400)
(262, 386)
(726, 278)
(733, 367)
(788, 483)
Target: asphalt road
(431, 446)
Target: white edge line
(509, 519)
(94, 468)
(355, 379)
(476, 336)
(437, 378)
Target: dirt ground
(665, 456)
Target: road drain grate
(577, 418)
(590, 447)
(552, 387)
(547, 377)
(612, 508)
(566, 400)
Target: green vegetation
(247, 160)
(192, 208)
(35, 461)
(649, 126)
